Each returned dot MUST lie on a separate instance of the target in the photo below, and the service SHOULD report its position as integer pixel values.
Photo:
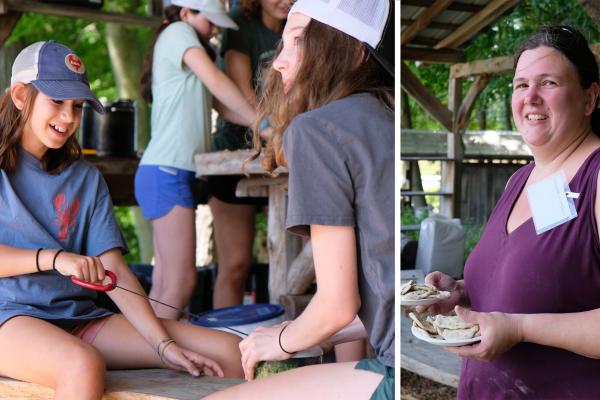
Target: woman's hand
(85, 268)
(444, 282)
(499, 332)
(262, 344)
(181, 359)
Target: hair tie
(37, 259)
(54, 259)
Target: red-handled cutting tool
(99, 287)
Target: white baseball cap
(214, 10)
(369, 21)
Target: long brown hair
(12, 122)
(327, 72)
(172, 14)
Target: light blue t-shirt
(181, 106)
(71, 211)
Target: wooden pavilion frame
(435, 32)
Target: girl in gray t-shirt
(331, 110)
(57, 223)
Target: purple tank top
(521, 272)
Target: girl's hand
(85, 268)
(262, 344)
(499, 332)
(442, 281)
(181, 359)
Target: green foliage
(126, 223)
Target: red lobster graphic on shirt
(65, 215)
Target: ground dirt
(415, 387)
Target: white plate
(444, 342)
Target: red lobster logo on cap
(74, 63)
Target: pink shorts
(87, 331)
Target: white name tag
(551, 202)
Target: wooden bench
(139, 384)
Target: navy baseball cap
(54, 70)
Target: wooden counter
(291, 269)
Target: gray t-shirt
(70, 211)
(341, 173)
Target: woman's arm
(135, 308)
(15, 261)
(501, 331)
(334, 305)
(238, 67)
(230, 101)
(139, 313)
(337, 300)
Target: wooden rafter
(433, 25)
(424, 20)
(7, 23)
(477, 22)
(497, 65)
(456, 6)
(410, 83)
(80, 12)
(443, 56)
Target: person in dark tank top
(533, 285)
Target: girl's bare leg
(234, 236)
(123, 347)
(36, 351)
(327, 381)
(174, 274)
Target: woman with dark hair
(181, 78)
(532, 281)
(332, 116)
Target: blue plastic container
(244, 318)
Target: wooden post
(301, 273)
(282, 246)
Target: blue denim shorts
(158, 189)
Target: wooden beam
(301, 273)
(433, 24)
(7, 24)
(410, 83)
(81, 12)
(423, 21)
(456, 6)
(496, 65)
(441, 56)
(462, 119)
(473, 25)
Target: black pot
(111, 134)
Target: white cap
(214, 10)
(364, 20)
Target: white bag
(441, 246)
